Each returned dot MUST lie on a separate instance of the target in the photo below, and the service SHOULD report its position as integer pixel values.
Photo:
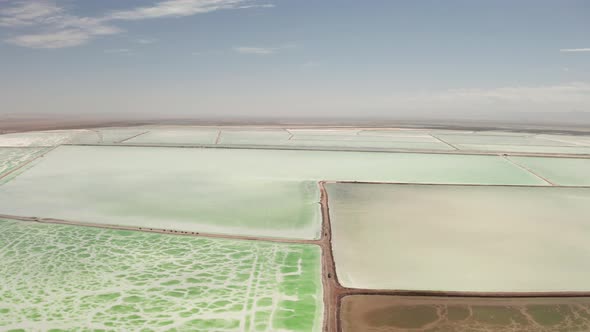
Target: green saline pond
(482, 138)
(178, 136)
(326, 139)
(81, 278)
(461, 238)
(271, 193)
(562, 171)
(570, 150)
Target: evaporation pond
(72, 277)
(175, 136)
(271, 193)
(461, 238)
(562, 171)
(11, 158)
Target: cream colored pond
(461, 238)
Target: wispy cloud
(180, 8)
(58, 39)
(29, 13)
(255, 50)
(571, 50)
(117, 51)
(146, 41)
(52, 26)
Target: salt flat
(47, 138)
(13, 157)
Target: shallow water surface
(231, 191)
(69, 277)
(461, 238)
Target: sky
(295, 58)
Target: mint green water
(72, 278)
(107, 135)
(577, 140)
(416, 133)
(573, 150)
(367, 138)
(491, 139)
(562, 171)
(367, 143)
(324, 138)
(330, 139)
(176, 135)
(461, 238)
(230, 191)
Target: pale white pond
(461, 238)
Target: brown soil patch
(401, 313)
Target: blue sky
(294, 57)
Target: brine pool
(69, 277)
(272, 193)
(522, 236)
(461, 238)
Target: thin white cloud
(58, 39)
(117, 51)
(146, 41)
(572, 50)
(266, 5)
(256, 50)
(179, 8)
(54, 27)
(28, 13)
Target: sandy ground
(398, 313)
